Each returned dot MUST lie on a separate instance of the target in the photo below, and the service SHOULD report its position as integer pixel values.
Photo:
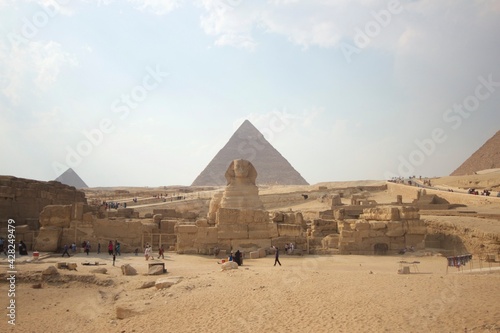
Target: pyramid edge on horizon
(475, 163)
(255, 145)
(71, 178)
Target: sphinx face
(241, 168)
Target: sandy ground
(306, 294)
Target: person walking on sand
(110, 248)
(160, 252)
(66, 247)
(277, 256)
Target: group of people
(237, 257)
(113, 205)
(289, 248)
(148, 252)
(113, 248)
(473, 191)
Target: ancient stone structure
(236, 219)
(23, 199)
(248, 143)
(241, 191)
(76, 223)
(378, 230)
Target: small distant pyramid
(249, 144)
(69, 177)
(486, 157)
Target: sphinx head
(241, 172)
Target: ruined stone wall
(391, 227)
(23, 199)
(65, 224)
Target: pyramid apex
(71, 178)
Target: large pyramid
(69, 177)
(486, 157)
(249, 144)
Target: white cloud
(31, 67)
(158, 7)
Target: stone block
(128, 270)
(377, 225)
(395, 229)
(381, 214)
(186, 229)
(229, 265)
(202, 223)
(289, 230)
(339, 214)
(233, 231)
(156, 269)
(409, 213)
(72, 266)
(416, 227)
(262, 230)
(207, 235)
(262, 253)
(330, 241)
(361, 225)
(227, 216)
(48, 239)
(88, 218)
(56, 216)
(254, 255)
(125, 212)
(248, 245)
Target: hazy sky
(146, 92)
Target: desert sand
(306, 294)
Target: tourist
(147, 251)
(277, 256)
(118, 250)
(110, 248)
(98, 248)
(136, 251)
(230, 257)
(23, 249)
(87, 247)
(65, 250)
(286, 248)
(237, 258)
(73, 247)
(160, 252)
